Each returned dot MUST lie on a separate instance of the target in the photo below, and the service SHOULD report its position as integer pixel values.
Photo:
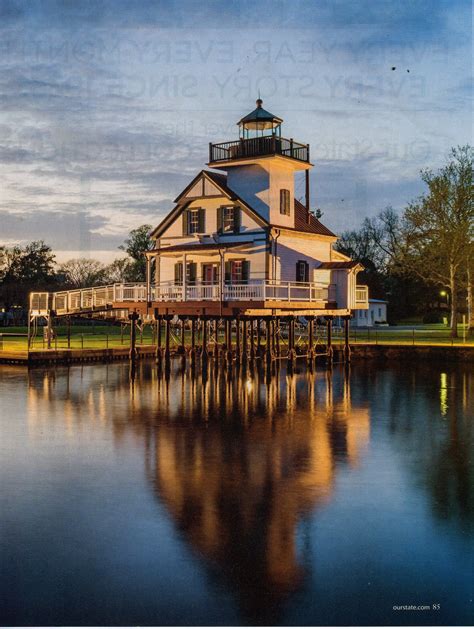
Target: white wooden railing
(86, 299)
(250, 291)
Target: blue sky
(107, 108)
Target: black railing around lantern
(258, 147)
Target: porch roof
(201, 247)
(336, 264)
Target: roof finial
(259, 101)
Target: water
(305, 499)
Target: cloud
(107, 108)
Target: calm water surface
(304, 499)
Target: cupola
(259, 122)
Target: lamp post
(444, 293)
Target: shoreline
(377, 352)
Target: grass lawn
(98, 335)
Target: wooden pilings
(133, 317)
(239, 340)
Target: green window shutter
(178, 273)
(228, 271)
(192, 272)
(306, 272)
(237, 219)
(185, 222)
(202, 220)
(245, 271)
(220, 214)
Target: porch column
(184, 276)
(148, 278)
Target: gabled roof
(314, 226)
(220, 181)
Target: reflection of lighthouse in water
(238, 462)
(239, 480)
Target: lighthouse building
(238, 235)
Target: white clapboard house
(238, 235)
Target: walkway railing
(105, 297)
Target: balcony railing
(258, 147)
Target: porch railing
(251, 291)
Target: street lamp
(444, 293)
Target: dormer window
(285, 202)
(193, 221)
(228, 219)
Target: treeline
(424, 256)
(33, 267)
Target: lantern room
(259, 123)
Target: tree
(25, 268)
(136, 245)
(438, 228)
(120, 270)
(82, 272)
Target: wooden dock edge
(358, 352)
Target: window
(302, 271)
(228, 219)
(193, 221)
(285, 202)
(190, 273)
(237, 271)
(380, 312)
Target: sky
(107, 107)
